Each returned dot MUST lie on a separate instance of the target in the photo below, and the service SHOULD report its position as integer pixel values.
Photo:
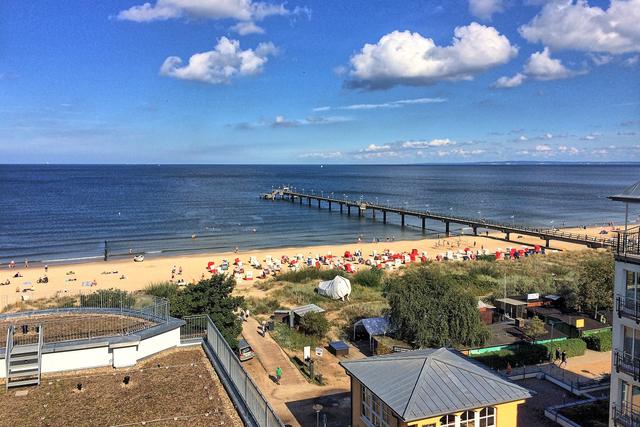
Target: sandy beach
(138, 275)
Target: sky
(302, 81)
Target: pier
(362, 208)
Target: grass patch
(291, 339)
(306, 274)
(262, 305)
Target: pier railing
(475, 223)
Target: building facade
(625, 376)
(430, 388)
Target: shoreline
(138, 275)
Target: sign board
(307, 353)
(319, 351)
(579, 323)
(532, 296)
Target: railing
(627, 363)
(628, 307)
(86, 316)
(195, 327)
(626, 414)
(628, 242)
(256, 403)
(7, 354)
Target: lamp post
(317, 407)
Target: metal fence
(85, 316)
(195, 327)
(256, 403)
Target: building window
(630, 395)
(631, 341)
(631, 287)
(374, 410)
(488, 417)
(468, 419)
(448, 421)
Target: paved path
(271, 355)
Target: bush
(162, 289)
(291, 339)
(530, 354)
(593, 414)
(307, 274)
(262, 305)
(573, 346)
(599, 342)
(314, 324)
(108, 298)
(371, 278)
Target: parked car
(245, 352)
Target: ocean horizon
(67, 212)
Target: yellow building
(430, 388)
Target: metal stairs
(23, 361)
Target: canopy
(338, 288)
(374, 325)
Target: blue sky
(236, 81)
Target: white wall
(86, 358)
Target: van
(245, 352)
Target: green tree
(213, 297)
(535, 328)
(595, 285)
(428, 308)
(315, 324)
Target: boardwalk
(361, 207)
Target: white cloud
(540, 66)
(543, 148)
(247, 27)
(509, 82)
(391, 104)
(374, 147)
(403, 57)
(484, 9)
(322, 155)
(590, 137)
(568, 150)
(425, 144)
(523, 138)
(574, 25)
(220, 65)
(241, 10)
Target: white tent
(338, 288)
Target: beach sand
(158, 269)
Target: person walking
(557, 355)
(564, 359)
(278, 375)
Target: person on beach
(26, 263)
(46, 268)
(278, 375)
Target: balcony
(626, 415)
(627, 363)
(627, 307)
(627, 246)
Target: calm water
(56, 212)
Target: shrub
(262, 305)
(573, 347)
(108, 298)
(314, 324)
(530, 354)
(600, 341)
(290, 338)
(307, 274)
(162, 289)
(371, 277)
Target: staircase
(23, 361)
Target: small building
(487, 312)
(298, 312)
(430, 387)
(517, 306)
(373, 327)
(573, 325)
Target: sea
(63, 213)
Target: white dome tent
(338, 288)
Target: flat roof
(511, 301)
(630, 194)
(309, 308)
(568, 318)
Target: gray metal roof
(304, 309)
(631, 194)
(427, 383)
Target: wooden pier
(361, 207)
